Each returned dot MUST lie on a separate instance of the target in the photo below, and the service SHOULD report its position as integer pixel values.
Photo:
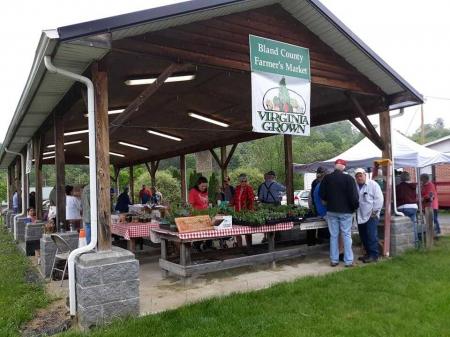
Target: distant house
(441, 173)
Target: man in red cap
(338, 191)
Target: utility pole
(422, 128)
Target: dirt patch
(49, 321)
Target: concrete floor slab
(158, 294)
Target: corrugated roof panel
(34, 119)
(188, 18)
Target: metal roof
(72, 49)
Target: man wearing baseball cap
(339, 192)
(368, 214)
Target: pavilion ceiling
(216, 51)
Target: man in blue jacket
(338, 191)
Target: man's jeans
(412, 214)
(340, 222)
(368, 232)
(437, 227)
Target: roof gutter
(92, 176)
(47, 45)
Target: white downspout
(402, 111)
(24, 211)
(92, 175)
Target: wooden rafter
(368, 130)
(145, 95)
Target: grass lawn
(407, 296)
(18, 299)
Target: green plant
(213, 187)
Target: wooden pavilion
(205, 42)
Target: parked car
(300, 198)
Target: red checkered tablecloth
(133, 230)
(235, 230)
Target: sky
(413, 37)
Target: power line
(438, 97)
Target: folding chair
(62, 254)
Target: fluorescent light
(50, 157)
(111, 112)
(165, 135)
(117, 154)
(50, 152)
(66, 143)
(115, 111)
(207, 119)
(135, 146)
(71, 133)
(150, 80)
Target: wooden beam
(26, 183)
(203, 147)
(131, 182)
(116, 182)
(289, 169)
(183, 178)
(37, 149)
(223, 159)
(18, 185)
(361, 128)
(145, 95)
(370, 128)
(58, 138)
(385, 132)
(10, 185)
(100, 80)
(216, 158)
(152, 168)
(230, 155)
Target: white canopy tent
(406, 152)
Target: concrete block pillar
(107, 286)
(33, 235)
(20, 228)
(8, 218)
(402, 235)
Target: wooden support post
(37, 145)
(58, 138)
(116, 182)
(223, 158)
(289, 169)
(385, 133)
(100, 80)
(26, 185)
(183, 178)
(152, 168)
(131, 182)
(429, 228)
(10, 185)
(18, 185)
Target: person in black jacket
(339, 192)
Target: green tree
(432, 132)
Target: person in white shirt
(368, 214)
(15, 202)
(73, 208)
